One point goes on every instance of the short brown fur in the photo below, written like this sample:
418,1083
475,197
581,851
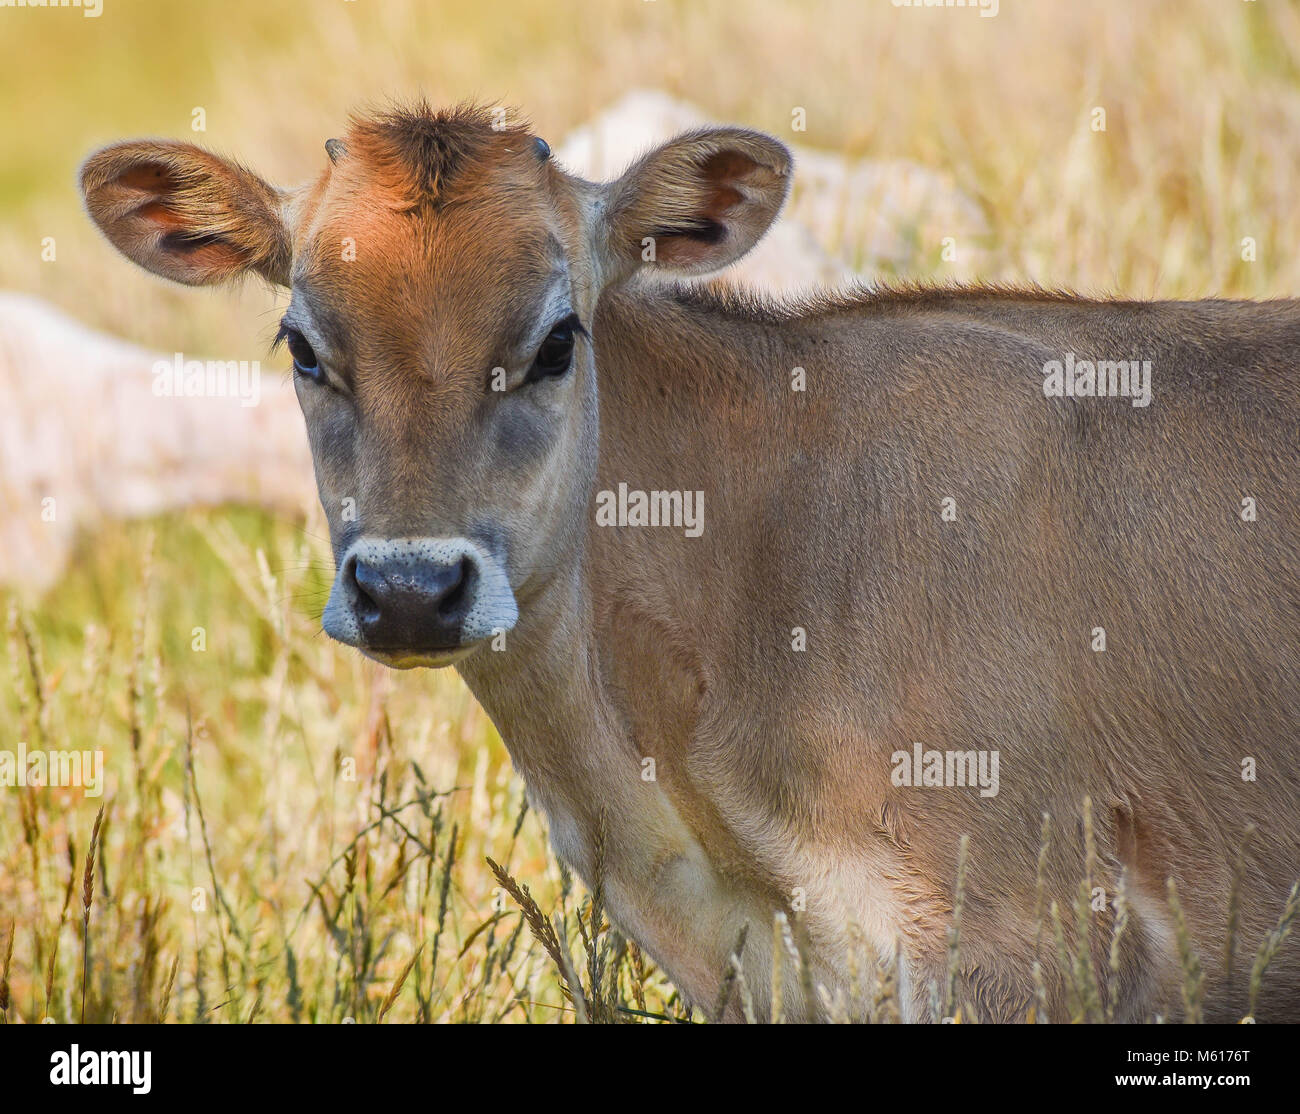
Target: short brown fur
771,787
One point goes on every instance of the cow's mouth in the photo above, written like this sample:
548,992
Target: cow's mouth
415,658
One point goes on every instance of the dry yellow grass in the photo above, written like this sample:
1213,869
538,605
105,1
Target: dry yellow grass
292,834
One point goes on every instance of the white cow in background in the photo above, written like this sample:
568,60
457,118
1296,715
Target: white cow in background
84,437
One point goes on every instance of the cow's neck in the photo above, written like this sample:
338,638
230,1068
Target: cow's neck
541,692
569,741
559,693
548,693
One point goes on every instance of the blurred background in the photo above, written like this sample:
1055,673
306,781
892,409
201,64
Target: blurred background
290,833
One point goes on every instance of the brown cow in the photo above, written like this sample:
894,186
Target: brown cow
773,602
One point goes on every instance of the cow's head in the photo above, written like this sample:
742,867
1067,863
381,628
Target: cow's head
444,274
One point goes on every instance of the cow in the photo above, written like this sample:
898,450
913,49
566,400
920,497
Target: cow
774,601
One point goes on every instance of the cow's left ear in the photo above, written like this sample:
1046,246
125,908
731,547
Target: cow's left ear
695,204
185,213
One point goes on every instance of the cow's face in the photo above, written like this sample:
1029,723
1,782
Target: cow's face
443,278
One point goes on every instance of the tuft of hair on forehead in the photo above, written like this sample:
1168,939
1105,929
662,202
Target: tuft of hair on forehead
419,151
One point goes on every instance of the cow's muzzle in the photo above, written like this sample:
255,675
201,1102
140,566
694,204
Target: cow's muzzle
418,601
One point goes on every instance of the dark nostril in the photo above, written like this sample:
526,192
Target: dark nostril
369,584
457,590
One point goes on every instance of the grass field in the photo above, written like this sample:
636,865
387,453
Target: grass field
290,833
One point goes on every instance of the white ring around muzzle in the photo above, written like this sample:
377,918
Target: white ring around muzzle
492,611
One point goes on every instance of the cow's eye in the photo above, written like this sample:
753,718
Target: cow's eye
556,351
304,357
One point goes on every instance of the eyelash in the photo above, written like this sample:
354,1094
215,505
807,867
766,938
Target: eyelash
538,371
287,335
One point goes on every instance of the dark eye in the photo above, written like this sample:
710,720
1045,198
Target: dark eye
304,359
556,353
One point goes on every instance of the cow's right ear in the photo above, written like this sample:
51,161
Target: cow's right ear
697,203
186,214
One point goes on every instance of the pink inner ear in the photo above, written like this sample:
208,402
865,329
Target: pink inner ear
196,253
720,172
199,251
149,177
214,257
158,213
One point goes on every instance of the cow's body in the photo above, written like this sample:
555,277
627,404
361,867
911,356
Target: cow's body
916,552
823,512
